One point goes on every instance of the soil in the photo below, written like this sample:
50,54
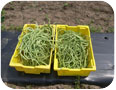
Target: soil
97,14
57,86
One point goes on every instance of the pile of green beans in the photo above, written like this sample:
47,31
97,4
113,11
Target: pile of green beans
36,45
72,50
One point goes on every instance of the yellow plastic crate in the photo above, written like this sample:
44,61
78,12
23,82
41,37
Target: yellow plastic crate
84,30
15,61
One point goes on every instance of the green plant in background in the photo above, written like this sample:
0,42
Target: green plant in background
77,21
65,5
97,9
11,7
110,29
3,27
47,18
35,4
19,28
40,9
32,20
11,2
29,87
77,83
11,27
94,29
2,16
106,23
92,21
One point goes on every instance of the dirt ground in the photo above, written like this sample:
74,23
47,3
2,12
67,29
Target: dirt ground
57,86
98,15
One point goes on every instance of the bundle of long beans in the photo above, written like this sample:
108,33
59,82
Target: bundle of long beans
36,45
72,50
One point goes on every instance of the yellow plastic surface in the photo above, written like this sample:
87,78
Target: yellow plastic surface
84,30
15,61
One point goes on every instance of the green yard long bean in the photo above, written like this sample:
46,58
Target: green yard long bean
72,50
36,45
